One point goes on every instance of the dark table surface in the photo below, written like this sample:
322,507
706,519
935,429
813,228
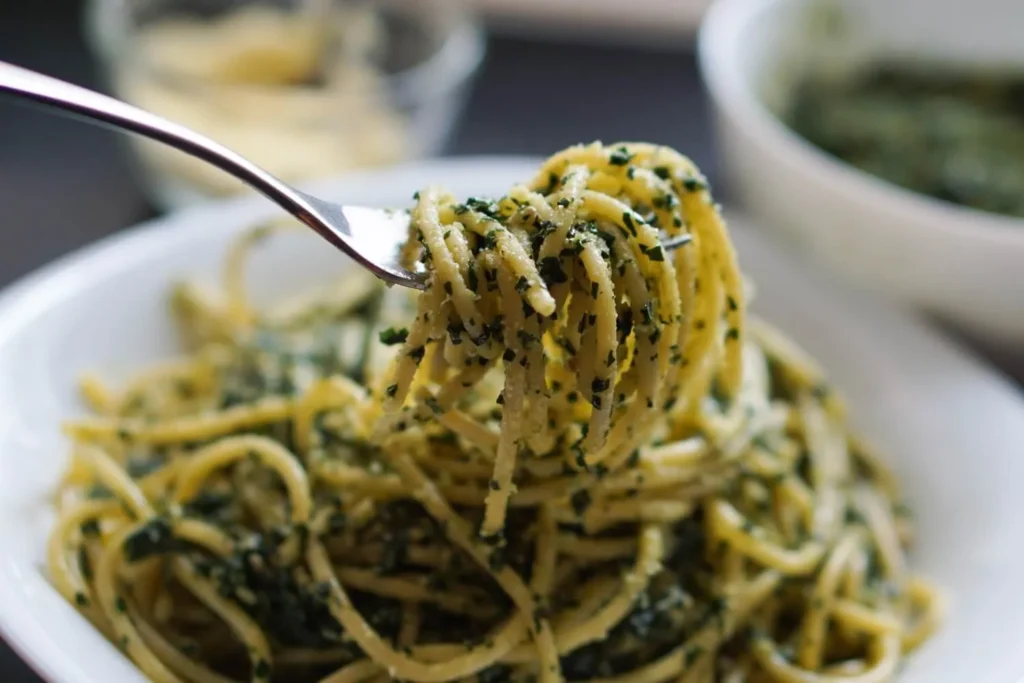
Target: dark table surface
63,184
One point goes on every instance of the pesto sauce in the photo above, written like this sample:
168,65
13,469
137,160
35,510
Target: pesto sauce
954,136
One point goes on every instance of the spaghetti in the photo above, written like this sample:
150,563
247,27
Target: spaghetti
582,461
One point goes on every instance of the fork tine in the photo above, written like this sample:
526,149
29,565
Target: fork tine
672,243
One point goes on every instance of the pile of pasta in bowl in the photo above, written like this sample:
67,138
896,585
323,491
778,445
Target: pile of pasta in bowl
575,456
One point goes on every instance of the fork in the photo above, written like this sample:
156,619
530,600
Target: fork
372,237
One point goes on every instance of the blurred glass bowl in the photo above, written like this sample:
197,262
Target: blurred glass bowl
305,88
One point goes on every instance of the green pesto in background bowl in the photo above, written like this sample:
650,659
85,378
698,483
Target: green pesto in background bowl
957,136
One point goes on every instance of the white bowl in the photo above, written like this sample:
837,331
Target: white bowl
963,264
952,429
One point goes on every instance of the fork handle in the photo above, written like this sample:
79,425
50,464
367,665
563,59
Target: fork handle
108,111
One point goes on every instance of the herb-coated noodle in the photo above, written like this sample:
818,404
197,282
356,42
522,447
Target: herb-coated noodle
581,460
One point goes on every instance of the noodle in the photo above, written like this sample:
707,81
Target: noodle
582,461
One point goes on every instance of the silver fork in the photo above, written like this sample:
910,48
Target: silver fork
373,237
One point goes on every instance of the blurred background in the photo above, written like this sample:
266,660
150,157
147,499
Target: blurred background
319,87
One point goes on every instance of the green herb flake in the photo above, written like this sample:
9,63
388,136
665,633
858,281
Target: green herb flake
527,339
84,565
620,157
455,331
393,336
434,406
580,501
627,220
261,669
655,253
693,653
551,270
694,184
490,240
552,183
496,560
153,538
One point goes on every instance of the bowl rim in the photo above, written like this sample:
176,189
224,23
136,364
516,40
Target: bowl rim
456,59
717,44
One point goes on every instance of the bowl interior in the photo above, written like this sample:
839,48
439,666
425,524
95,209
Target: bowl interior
953,430
956,261
780,42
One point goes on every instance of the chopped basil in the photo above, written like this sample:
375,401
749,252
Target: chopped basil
653,253
551,270
154,538
261,669
627,220
392,336
580,501
620,157
694,184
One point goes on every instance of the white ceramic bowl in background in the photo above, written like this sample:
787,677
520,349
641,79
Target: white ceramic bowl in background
952,429
963,264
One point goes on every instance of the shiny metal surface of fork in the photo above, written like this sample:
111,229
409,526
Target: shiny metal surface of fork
373,237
